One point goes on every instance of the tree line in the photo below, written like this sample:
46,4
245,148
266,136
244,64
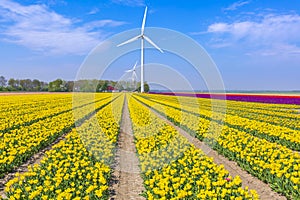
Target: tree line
22,85
60,85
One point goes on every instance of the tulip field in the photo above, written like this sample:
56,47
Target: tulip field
81,131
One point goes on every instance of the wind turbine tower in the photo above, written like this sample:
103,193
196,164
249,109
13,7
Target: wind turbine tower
143,37
133,76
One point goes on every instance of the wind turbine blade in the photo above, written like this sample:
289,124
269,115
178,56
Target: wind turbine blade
130,70
144,21
134,74
152,43
130,40
133,69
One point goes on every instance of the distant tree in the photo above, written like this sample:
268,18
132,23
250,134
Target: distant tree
90,85
3,81
113,83
36,85
56,86
146,87
26,85
98,87
59,85
104,86
121,85
69,86
44,86
63,86
86,85
14,84
11,82
22,84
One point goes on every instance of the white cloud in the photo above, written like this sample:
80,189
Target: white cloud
101,23
270,28
130,2
218,27
277,50
38,28
52,2
93,11
270,32
236,5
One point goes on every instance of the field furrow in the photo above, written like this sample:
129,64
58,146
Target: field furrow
126,180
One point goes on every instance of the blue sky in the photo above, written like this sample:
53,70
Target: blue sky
254,43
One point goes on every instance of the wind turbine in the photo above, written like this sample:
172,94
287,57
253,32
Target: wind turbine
143,37
133,76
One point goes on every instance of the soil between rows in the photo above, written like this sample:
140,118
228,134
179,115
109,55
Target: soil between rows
126,180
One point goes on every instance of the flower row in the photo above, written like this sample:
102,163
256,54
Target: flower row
78,167
18,145
269,161
258,127
172,168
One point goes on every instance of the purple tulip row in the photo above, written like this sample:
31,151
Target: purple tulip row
276,99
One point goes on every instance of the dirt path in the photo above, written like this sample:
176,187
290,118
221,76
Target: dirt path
35,159
127,182
264,191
